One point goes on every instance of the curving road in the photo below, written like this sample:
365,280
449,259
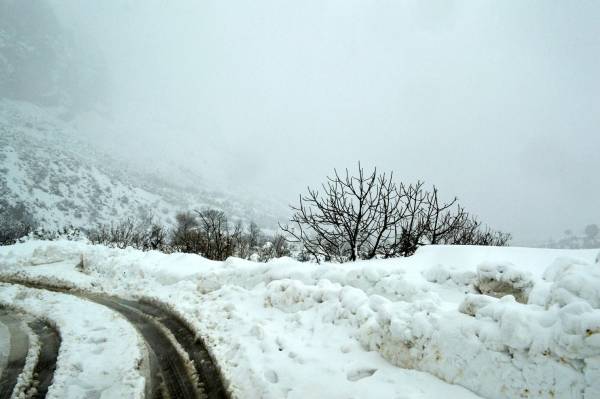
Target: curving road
19,345
169,341
43,371
18,341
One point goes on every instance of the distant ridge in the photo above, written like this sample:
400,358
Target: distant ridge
60,179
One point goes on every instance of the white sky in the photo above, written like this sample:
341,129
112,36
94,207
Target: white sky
497,102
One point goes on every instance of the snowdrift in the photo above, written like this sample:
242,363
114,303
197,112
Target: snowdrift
501,322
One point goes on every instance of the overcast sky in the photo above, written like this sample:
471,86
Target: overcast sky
495,102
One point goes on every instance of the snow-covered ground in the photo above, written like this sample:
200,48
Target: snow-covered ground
101,354
416,327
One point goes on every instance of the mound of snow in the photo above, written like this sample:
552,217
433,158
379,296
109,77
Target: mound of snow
502,322
573,280
501,280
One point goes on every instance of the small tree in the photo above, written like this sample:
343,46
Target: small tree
157,238
368,215
410,224
591,231
441,218
274,247
143,235
185,236
253,238
214,231
280,246
352,219
15,223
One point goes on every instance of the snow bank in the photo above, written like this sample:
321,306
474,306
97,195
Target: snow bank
502,322
100,353
499,280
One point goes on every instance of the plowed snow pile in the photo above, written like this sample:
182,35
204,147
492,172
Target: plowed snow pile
501,322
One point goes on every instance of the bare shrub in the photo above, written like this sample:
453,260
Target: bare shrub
216,241
209,233
130,233
368,215
185,236
353,217
15,223
274,247
68,233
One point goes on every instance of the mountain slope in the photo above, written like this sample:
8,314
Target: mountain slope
59,179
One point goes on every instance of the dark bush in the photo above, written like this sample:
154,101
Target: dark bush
130,233
15,222
364,216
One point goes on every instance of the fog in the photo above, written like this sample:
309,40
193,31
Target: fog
494,102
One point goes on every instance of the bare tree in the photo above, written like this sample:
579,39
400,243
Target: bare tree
10,233
440,219
274,247
368,215
15,222
590,240
253,237
591,231
280,246
410,226
143,235
235,240
209,233
185,236
351,219
214,229
470,231
157,238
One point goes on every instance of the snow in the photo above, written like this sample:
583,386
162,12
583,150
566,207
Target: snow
33,353
4,346
63,178
100,352
416,327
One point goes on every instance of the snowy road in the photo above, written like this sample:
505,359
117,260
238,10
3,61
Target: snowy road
13,364
46,363
180,366
32,346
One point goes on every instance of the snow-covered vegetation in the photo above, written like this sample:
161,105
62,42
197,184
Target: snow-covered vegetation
589,237
51,178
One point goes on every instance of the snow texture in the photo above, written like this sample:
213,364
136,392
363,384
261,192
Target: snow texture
48,167
500,322
100,353
20,391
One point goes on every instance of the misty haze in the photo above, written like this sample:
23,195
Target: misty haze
279,199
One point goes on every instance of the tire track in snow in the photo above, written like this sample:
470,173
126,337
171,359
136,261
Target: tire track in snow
205,368
175,379
172,376
43,371
17,356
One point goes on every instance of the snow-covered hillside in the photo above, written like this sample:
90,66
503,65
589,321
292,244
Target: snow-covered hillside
501,322
47,166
